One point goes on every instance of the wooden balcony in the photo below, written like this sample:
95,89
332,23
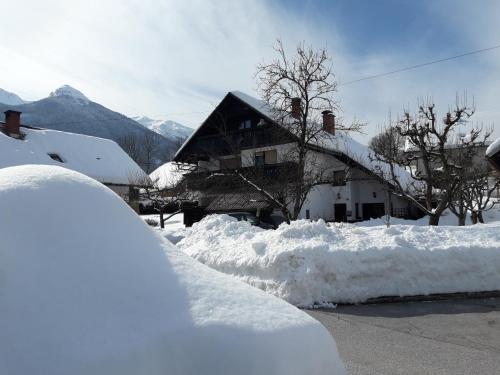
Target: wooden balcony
266,175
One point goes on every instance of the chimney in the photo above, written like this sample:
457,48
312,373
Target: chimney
12,123
296,108
328,122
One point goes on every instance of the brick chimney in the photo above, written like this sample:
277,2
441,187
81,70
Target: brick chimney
328,122
13,123
296,108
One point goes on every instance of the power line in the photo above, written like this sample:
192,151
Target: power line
420,65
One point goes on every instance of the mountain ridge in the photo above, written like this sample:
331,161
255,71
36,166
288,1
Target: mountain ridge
67,109
9,98
167,128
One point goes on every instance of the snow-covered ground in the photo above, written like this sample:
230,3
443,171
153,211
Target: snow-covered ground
447,219
174,230
310,263
86,287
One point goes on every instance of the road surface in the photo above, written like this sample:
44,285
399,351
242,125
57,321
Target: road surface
441,337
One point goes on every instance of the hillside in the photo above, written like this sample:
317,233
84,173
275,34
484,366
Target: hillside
10,98
67,109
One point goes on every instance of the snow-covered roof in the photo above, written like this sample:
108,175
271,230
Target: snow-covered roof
99,158
493,148
168,175
338,143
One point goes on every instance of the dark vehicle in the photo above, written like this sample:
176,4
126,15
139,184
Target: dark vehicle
251,218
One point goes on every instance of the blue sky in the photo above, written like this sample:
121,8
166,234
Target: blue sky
175,59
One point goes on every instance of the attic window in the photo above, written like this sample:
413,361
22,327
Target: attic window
246,124
56,157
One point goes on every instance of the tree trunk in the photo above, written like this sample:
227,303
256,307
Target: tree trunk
480,217
434,219
474,217
162,219
461,219
297,204
286,214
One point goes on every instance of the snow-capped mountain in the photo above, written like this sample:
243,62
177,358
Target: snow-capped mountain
69,92
10,98
68,109
169,129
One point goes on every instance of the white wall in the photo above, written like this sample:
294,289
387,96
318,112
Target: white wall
319,203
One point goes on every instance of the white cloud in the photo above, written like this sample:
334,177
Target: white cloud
175,59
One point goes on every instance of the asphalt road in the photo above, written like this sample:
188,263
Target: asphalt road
442,337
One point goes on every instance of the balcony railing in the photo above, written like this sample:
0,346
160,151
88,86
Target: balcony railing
266,175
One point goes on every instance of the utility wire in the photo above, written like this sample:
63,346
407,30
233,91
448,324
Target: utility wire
420,65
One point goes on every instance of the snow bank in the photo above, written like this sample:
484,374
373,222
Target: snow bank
87,288
312,262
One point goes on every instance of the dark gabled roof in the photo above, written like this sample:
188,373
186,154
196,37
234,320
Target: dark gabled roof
341,146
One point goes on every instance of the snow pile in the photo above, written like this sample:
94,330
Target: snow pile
311,262
87,288
98,158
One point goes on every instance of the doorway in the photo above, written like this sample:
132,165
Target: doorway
373,210
340,211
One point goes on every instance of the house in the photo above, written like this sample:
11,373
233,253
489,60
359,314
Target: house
493,154
99,158
241,135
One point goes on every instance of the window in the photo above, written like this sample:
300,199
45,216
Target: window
55,157
259,159
246,124
338,178
270,157
265,158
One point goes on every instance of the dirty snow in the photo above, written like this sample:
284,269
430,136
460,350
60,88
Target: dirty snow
88,288
310,263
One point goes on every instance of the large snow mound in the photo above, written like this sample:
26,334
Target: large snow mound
311,262
87,288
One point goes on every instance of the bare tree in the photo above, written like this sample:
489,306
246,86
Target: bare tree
304,82
165,192
436,177
143,149
477,192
